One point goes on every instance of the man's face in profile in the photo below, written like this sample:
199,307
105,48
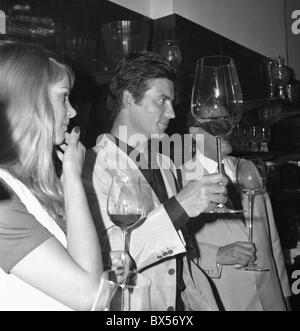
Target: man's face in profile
151,115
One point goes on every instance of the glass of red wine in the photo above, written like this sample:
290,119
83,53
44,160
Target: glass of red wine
217,102
126,206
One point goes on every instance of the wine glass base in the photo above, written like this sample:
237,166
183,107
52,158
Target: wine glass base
221,209
252,267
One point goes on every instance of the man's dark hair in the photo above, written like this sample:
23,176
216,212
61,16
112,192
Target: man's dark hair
133,73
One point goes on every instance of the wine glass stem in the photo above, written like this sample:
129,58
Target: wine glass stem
125,246
251,202
219,154
125,250
219,162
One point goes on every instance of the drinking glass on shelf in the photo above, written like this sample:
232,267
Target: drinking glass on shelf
217,102
254,138
170,49
244,139
250,176
123,292
281,75
265,137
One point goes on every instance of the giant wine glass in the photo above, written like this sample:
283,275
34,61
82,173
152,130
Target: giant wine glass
250,176
217,102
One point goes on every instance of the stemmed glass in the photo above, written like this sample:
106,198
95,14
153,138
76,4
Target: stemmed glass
250,176
217,102
127,206
122,292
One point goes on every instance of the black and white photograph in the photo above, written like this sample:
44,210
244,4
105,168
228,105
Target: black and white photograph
150,158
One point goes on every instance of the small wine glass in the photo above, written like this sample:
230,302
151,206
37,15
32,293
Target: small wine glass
250,176
217,102
123,292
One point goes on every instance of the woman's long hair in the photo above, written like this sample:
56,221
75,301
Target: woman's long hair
27,73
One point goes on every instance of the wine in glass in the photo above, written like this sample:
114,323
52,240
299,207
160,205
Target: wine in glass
250,176
217,102
123,292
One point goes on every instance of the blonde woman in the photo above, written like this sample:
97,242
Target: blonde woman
49,252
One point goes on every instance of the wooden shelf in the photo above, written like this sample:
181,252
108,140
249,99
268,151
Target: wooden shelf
265,102
284,158
276,156
278,109
266,156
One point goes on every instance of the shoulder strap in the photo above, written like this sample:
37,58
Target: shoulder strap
33,206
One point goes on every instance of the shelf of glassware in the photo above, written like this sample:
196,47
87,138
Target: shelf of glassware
278,157
273,109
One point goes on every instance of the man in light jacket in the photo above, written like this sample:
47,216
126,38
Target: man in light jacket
140,99
223,242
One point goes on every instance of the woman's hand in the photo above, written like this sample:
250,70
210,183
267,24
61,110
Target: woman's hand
73,154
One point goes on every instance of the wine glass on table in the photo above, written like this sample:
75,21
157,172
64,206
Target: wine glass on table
217,102
250,176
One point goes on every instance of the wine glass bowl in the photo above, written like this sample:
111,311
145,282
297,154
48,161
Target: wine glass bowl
217,99
217,102
250,177
125,203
